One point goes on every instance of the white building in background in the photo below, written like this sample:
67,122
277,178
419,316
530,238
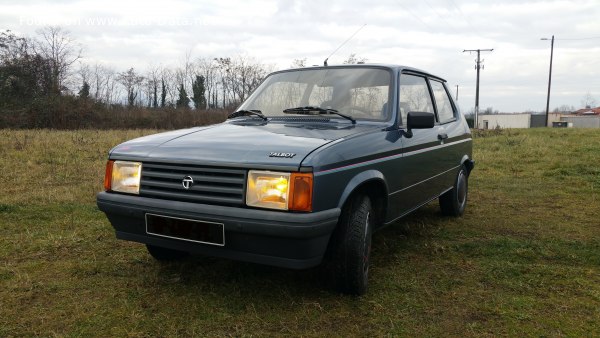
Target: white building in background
589,118
583,118
504,121
591,121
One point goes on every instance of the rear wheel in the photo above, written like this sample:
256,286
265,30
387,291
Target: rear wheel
454,201
351,247
164,254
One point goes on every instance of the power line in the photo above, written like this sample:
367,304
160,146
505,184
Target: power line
458,8
590,38
413,14
475,31
440,16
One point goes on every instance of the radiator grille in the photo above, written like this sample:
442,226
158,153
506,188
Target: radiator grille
220,186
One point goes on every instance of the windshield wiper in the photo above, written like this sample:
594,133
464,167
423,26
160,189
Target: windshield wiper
251,112
308,110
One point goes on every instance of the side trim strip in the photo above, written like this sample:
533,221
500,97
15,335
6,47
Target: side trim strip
432,177
380,159
445,144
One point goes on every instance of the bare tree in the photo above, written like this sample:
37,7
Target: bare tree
353,59
92,74
103,82
224,69
181,78
588,101
57,46
189,74
153,81
207,67
84,71
490,111
246,74
110,80
564,109
130,80
298,63
169,81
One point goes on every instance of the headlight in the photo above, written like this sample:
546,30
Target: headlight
278,190
123,176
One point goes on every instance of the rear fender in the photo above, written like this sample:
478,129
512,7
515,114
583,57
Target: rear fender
468,163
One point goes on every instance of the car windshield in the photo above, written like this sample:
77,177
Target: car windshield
361,93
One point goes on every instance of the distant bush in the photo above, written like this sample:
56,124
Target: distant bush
69,112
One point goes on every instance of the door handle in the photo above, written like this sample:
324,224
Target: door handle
442,136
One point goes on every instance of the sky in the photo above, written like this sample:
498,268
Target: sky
428,34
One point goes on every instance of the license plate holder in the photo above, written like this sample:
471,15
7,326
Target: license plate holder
185,229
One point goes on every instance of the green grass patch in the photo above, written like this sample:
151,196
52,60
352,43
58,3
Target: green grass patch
523,261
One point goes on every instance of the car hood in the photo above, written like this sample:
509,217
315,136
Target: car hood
238,144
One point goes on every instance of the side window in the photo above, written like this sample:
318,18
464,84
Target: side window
442,101
414,96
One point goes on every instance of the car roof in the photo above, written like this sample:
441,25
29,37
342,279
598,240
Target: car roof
393,67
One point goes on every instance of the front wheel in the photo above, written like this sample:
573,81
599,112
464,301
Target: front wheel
351,246
454,201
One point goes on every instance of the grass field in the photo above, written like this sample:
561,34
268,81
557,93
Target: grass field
523,261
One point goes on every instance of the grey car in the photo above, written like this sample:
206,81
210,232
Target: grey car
302,174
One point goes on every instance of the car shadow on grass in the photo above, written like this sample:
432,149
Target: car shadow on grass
221,276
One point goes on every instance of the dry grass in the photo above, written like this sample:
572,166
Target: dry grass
523,261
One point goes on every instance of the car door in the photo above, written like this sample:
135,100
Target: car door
450,134
418,167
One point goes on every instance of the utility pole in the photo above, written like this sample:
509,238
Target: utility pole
549,77
478,67
456,92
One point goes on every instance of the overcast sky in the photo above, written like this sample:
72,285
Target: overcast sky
427,34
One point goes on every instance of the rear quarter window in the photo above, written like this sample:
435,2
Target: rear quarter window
444,106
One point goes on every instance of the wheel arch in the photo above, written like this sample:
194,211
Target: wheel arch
468,163
373,184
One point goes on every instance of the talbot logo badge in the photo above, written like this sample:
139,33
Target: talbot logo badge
284,155
187,182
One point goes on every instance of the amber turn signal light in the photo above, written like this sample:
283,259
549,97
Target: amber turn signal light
301,186
108,175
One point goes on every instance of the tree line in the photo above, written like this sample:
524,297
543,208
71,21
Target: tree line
203,83
45,82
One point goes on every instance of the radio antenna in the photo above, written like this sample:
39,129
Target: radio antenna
343,43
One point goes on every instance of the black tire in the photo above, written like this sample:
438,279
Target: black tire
164,254
454,201
350,247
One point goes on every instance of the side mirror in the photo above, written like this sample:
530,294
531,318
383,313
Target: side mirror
419,120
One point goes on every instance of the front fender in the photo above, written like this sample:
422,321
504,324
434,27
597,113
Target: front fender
359,179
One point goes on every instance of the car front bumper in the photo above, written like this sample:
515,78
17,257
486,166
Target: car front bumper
285,239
